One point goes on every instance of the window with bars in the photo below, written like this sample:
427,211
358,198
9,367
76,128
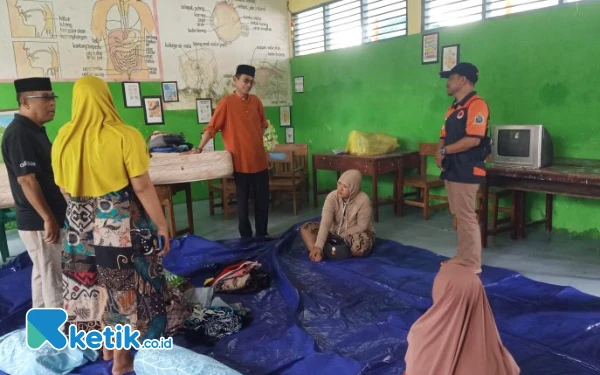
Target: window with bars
309,32
440,13
496,8
347,23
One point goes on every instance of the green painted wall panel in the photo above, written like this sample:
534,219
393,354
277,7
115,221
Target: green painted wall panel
539,67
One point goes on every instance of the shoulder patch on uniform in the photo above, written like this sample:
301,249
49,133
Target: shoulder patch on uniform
479,119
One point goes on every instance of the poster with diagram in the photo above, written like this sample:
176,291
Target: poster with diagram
116,40
206,40
197,44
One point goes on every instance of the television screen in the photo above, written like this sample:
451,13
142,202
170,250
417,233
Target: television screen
514,143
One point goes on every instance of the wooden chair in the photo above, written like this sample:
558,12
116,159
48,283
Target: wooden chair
286,178
223,188
300,151
424,182
494,195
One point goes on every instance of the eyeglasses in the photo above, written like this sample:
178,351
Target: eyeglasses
45,97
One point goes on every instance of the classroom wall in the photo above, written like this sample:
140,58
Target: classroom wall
539,67
175,121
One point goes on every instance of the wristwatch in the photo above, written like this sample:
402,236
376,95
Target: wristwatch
443,151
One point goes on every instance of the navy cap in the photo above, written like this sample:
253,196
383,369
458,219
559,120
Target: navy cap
465,69
33,84
248,70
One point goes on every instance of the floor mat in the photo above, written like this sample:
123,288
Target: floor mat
352,316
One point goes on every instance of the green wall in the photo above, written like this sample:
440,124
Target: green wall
539,67
175,121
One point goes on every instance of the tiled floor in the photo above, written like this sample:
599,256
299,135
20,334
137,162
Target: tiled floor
547,257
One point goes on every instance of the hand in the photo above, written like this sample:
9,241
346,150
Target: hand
438,160
51,232
316,254
166,244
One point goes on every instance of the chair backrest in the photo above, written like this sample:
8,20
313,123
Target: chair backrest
300,151
282,162
425,150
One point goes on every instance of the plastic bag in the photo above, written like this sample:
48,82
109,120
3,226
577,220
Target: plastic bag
368,143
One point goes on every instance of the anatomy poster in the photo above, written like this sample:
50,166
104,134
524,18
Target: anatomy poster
196,43
116,40
206,40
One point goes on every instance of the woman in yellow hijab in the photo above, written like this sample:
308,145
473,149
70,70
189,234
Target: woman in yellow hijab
111,264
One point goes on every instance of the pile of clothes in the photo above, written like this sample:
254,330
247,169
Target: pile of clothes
168,142
201,315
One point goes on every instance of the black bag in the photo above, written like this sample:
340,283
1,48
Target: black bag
144,241
336,248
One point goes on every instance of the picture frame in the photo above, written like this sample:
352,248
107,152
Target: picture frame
285,116
430,48
289,135
450,57
170,92
203,110
299,84
153,110
132,94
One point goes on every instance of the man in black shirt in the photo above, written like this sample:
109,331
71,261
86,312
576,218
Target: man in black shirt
40,205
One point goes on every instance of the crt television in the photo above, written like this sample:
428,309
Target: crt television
526,146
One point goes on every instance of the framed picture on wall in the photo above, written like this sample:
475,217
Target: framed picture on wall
450,57
285,116
289,135
204,110
132,95
170,92
430,48
299,84
153,110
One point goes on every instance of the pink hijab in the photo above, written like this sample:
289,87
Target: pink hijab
458,334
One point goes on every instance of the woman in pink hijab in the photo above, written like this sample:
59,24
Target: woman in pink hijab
458,334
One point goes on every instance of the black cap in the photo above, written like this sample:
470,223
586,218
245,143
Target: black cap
33,84
465,69
245,69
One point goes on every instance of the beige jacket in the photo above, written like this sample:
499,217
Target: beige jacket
346,217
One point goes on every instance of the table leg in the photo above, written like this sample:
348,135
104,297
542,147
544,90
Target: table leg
315,187
549,199
522,216
395,193
401,189
375,198
190,211
514,212
484,215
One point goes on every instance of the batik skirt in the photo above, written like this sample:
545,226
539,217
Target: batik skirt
106,279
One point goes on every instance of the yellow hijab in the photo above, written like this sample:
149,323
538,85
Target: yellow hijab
96,153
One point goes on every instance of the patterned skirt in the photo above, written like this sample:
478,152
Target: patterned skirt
107,280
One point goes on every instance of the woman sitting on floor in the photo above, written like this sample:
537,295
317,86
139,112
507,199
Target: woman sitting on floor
458,334
347,213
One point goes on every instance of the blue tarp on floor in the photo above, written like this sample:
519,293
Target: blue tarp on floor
353,316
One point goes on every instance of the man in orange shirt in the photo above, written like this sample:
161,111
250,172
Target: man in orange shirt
240,117
462,149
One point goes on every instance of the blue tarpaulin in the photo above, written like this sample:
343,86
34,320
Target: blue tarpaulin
353,316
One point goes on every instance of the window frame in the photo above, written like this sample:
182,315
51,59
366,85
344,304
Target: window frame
484,16
362,22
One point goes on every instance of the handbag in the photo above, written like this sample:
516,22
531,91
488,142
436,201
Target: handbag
336,248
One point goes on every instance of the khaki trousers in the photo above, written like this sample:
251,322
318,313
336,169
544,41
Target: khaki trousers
46,276
461,198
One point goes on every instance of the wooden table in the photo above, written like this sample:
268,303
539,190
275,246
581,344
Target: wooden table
570,177
165,196
370,165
